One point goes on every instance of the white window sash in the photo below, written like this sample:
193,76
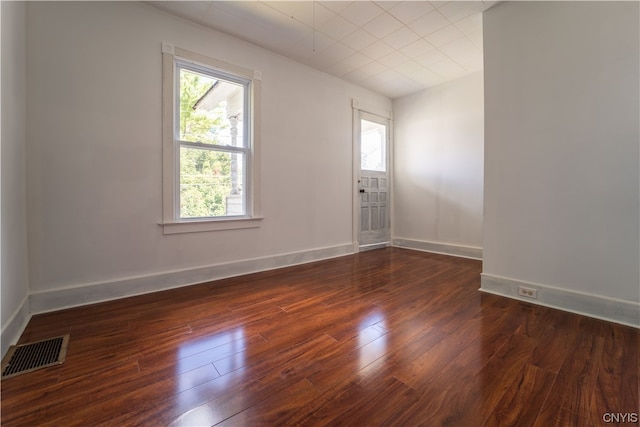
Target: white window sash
173,59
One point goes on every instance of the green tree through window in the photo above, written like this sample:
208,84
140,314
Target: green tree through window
205,174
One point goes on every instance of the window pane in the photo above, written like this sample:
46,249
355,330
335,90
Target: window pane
373,146
210,109
211,183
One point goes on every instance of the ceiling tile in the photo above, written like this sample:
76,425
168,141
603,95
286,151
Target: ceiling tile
377,50
394,59
470,24
301,11
355,61
408,67
387,4
447,68
296,30
429,23
335,6
359,39
374,68
408,11
438,3
330,56
310,44
476,38
337,27
320,15
431,58
319,41
456,10
464,52
358,75
479,6
301,51
400,38
473,63
392,47
382,25
426,77
417,48
361,12
384,77
340,69
444,36
310,13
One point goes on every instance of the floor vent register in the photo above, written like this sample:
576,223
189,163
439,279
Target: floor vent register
28,357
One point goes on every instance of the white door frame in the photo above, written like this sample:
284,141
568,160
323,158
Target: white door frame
355,190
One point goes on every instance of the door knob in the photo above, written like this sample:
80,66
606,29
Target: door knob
362,190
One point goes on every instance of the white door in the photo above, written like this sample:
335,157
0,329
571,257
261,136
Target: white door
373,180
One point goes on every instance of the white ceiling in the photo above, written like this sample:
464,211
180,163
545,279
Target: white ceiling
392,47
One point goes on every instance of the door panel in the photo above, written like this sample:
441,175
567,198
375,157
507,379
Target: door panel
373,180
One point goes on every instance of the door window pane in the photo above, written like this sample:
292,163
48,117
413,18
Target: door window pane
373,144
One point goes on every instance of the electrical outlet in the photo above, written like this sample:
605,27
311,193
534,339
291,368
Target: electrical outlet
527,292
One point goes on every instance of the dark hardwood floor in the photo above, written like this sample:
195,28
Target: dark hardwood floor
386,337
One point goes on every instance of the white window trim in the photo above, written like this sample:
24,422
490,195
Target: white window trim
171,222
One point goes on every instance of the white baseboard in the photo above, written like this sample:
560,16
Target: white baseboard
373,247
439,248
41,302
600,307
14,327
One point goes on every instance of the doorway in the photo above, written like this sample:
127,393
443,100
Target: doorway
373,207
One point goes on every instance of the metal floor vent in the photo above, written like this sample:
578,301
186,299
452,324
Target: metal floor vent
28,357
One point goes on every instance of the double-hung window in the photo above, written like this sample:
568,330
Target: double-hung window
210,156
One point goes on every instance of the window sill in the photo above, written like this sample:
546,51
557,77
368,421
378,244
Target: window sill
203,225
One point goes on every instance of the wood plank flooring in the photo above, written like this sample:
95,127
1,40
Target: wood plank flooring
385,337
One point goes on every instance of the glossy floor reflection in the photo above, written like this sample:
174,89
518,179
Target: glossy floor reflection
386,337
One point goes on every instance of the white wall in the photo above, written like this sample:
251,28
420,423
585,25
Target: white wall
438,175
14,285
94,155
562,154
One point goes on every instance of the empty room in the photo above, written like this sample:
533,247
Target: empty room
274,213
